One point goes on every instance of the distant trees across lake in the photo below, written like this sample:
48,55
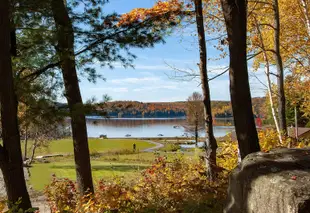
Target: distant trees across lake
135,109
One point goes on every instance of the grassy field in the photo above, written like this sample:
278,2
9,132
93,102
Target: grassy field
65,146
41,173
107,166
110,158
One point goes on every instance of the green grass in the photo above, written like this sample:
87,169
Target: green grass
112,161
170,148
41,173
65,146
127,166
145,157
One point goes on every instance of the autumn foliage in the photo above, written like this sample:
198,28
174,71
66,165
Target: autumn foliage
175,186
170,10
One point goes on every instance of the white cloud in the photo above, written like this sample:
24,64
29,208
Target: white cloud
170,87
109,89
146,67
151,67
134,80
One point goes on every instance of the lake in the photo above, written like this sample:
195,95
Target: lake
146,127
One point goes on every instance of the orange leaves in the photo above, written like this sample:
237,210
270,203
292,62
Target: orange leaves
167,186
161,8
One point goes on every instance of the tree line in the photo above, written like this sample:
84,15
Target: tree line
132,109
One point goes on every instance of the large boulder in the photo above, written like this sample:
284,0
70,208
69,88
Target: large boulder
273,182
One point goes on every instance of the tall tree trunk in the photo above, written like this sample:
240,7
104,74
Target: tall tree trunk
296,123
280,73
196,132
269,84
210,142
11,162
26,143
65,50
33,151
13,40
235,15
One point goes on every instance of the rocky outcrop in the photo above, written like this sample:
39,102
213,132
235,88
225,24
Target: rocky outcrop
273,182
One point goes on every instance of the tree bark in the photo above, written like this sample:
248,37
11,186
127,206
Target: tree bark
235,16
269,84
26,143
33,151
210,142
65,50
280,73
305,10
296,123
11,162
196,132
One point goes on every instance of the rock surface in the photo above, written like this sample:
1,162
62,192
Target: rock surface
274,182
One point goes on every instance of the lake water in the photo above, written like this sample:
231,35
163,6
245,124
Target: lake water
142,127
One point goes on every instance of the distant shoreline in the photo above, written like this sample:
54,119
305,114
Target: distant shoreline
90,117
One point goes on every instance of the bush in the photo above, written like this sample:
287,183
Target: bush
62,195
14,207
170,148
178,186
228,155
269,139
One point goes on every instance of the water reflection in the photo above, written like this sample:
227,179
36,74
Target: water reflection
139,127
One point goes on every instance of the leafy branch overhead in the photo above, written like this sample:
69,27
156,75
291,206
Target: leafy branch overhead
106,38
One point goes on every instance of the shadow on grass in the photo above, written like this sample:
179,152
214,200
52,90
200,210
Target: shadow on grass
120,168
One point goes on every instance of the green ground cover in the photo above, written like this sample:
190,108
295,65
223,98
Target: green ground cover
41,173
107,166
110,158
65,146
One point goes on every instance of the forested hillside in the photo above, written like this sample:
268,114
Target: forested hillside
129,109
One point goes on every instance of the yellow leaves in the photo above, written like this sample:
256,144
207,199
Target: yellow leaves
268,140
294,38
2,206
228,155
164,187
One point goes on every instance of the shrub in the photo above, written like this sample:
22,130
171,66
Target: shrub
62,195
14,207
170,148
228,155
178,186
268,140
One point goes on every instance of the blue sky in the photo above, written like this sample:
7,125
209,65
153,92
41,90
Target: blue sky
152,79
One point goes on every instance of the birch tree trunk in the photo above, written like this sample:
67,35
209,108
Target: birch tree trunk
280,72
269,84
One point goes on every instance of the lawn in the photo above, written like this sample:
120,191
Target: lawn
108,166
100,170
112,161
65,146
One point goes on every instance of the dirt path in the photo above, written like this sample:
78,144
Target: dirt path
152,149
